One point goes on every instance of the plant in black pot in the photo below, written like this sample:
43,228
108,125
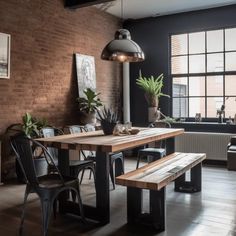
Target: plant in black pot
108,119
88,105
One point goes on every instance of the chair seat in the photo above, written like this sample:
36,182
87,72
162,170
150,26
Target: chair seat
74,163
232,148
153,151
54,181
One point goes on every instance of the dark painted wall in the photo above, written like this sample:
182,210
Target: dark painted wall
152,34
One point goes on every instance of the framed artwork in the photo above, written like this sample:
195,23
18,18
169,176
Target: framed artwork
5,56
86,75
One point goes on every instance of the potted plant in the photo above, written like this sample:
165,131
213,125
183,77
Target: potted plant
29,127
108,120
88,106
152,88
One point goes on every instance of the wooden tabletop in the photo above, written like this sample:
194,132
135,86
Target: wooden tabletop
97,141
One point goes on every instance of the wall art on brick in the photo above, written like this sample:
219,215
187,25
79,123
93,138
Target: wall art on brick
86,75
4,56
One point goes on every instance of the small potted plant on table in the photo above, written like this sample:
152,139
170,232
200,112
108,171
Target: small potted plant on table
108,119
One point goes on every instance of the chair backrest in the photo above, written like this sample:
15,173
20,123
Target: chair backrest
48,132
74,129
23,148
79,129
89,128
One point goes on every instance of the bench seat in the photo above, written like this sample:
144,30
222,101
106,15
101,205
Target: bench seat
154,177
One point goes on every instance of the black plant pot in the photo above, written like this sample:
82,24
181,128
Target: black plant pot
41,168
107,127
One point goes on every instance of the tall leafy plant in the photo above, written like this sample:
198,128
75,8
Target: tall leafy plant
90,103
152,87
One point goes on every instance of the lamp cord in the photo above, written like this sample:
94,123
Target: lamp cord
122,9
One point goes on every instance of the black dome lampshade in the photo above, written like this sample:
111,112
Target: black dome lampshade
123,49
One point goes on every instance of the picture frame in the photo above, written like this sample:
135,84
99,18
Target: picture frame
86,74
5,44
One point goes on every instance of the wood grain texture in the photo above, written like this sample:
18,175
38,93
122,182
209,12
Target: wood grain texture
158,174
97,141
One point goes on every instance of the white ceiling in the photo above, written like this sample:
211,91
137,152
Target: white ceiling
136,9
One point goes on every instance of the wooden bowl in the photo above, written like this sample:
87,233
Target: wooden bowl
134,131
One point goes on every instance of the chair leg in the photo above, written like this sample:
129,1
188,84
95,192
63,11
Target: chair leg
112,174
27,191
77,192
138,160
82,176
55,208
46,205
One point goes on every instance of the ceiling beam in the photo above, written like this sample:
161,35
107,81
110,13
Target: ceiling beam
83,3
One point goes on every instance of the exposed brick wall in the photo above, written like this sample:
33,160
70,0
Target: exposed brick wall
44,37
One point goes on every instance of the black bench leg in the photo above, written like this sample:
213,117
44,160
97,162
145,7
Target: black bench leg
157,209
156,217
192,186
134,204
196,177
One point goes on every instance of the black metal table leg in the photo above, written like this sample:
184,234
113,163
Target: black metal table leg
102,187
63,165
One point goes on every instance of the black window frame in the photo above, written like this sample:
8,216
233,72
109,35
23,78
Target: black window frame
205,74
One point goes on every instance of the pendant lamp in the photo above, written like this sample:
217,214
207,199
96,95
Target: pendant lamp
122,48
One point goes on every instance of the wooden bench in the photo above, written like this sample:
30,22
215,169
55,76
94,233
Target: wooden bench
154,177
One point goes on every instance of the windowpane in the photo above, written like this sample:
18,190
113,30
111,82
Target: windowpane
230,39
179,44
214,45
200,64
230,61
213,104
197,64
180,107
179,65
215,62
215,86
230,105
180,87
196,105
197,42
230,86
196,86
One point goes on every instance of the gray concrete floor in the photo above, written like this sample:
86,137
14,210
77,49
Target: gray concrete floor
211,212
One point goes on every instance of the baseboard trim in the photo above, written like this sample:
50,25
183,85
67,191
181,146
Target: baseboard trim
222,163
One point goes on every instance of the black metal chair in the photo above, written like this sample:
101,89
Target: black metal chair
47,187
154,153
116,159
76,166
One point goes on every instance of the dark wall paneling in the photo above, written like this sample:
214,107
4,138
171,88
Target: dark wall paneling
152,34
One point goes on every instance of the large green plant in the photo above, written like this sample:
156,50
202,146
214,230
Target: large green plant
89,103
152,88
30,126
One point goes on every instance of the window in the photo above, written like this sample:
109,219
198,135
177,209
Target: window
203,71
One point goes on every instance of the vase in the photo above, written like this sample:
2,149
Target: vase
88,118
153,114
107,127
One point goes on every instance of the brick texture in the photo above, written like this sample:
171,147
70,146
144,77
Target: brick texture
44,37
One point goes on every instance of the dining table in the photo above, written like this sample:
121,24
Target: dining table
103,145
